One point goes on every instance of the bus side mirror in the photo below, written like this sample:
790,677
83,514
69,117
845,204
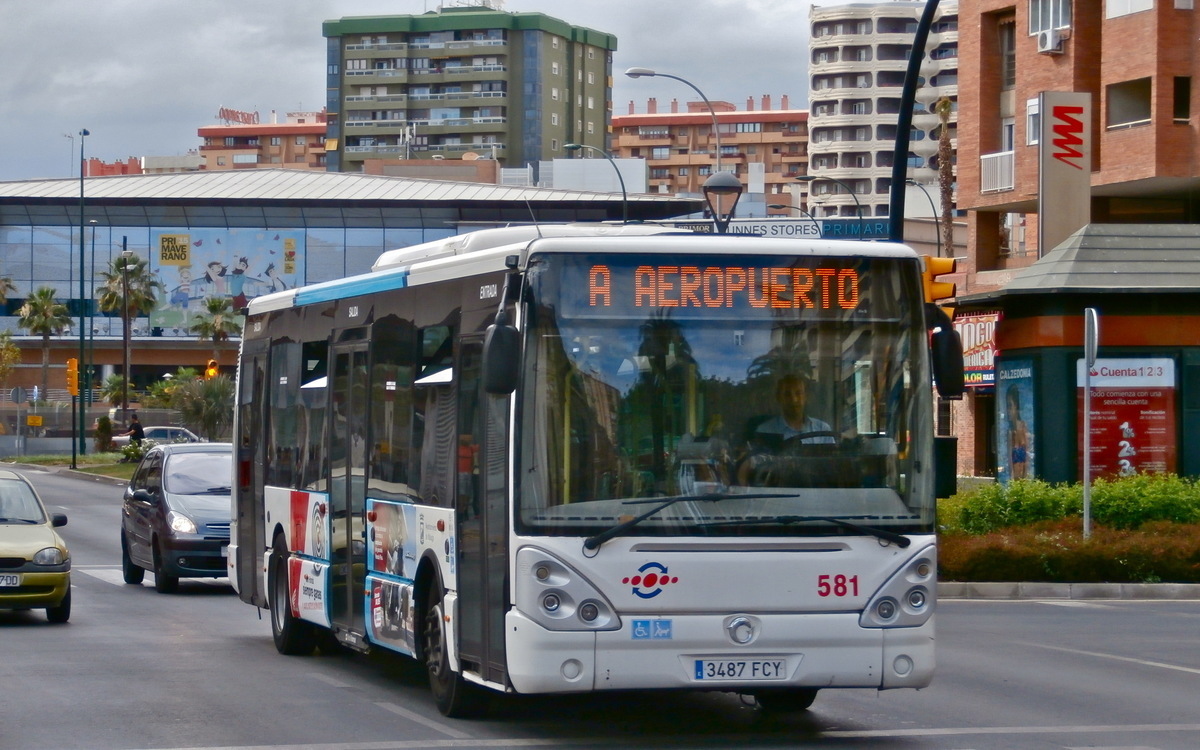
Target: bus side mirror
947,356
501,356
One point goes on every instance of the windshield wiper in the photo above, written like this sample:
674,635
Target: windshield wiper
888,536
663,502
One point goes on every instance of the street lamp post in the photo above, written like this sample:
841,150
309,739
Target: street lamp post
862,225
648,73
620,178
788,207
82,449
716,187
126,256
937,229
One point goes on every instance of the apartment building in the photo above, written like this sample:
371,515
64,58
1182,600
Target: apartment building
473,82
766,148
242,142
859,56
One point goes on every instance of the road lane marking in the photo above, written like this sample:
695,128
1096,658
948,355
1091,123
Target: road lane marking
1114,657
436,726
465,741
112,574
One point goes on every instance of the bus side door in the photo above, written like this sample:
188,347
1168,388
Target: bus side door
482,517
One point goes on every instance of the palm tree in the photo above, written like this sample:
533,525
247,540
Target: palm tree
218,322
206,405
6,286
45,315
130,290
943,107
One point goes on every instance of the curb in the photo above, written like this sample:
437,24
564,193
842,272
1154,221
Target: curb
1069,591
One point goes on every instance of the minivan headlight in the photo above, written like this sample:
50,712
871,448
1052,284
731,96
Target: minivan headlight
180,523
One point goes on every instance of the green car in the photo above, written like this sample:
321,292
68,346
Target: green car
35,566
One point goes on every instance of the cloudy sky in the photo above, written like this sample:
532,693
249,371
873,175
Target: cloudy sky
143,75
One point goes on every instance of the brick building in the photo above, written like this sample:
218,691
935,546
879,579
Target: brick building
1138,60
766,148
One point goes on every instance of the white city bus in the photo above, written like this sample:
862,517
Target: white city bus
533,458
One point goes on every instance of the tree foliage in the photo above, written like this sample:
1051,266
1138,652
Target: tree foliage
42,314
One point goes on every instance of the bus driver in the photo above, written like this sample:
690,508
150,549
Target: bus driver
792,423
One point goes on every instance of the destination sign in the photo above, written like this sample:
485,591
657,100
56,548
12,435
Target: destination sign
721,286
724,286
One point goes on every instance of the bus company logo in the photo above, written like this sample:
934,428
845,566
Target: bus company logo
650,580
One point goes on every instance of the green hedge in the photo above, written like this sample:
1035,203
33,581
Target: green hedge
1125,503
1145,529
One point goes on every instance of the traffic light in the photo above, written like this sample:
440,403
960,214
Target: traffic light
933,268
73,376
211,370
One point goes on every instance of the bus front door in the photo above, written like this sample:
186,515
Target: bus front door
347,490
482,518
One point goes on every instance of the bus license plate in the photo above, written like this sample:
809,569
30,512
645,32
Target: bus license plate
741,669
10,579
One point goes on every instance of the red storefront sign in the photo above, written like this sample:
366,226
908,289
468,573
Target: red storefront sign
1133,416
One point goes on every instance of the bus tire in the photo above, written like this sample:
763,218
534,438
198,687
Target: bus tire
786,700
292,636
454,696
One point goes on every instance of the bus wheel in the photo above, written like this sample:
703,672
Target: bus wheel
787,700
292,636
454,696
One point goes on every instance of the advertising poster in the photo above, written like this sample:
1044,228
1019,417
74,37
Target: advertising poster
237,264
978,336
1014,420
1133,416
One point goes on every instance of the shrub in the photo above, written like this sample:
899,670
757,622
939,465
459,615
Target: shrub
1125,503
103,435
1055,551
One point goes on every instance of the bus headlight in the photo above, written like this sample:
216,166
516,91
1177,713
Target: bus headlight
906,599
557,597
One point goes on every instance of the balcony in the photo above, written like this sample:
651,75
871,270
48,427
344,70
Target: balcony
996,172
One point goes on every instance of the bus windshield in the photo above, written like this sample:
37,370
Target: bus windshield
765,394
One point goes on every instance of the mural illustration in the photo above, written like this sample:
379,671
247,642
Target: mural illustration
238,264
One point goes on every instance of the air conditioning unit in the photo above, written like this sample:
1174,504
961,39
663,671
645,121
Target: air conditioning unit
1050,42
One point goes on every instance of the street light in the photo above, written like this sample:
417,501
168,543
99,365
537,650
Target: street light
648,73
126,256
717,186
937,229
620,178
82,448
788,207
862,226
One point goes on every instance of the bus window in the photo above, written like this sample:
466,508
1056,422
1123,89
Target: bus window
393,366
314,366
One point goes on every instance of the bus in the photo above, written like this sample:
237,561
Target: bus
533,459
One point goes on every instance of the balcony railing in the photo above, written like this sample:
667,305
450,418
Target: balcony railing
996,172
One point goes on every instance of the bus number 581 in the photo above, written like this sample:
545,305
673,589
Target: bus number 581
838,585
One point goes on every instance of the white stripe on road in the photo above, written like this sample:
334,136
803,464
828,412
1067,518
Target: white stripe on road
112,574
707,740
1114,657
433,724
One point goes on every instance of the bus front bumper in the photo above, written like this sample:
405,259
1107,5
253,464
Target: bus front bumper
697,652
